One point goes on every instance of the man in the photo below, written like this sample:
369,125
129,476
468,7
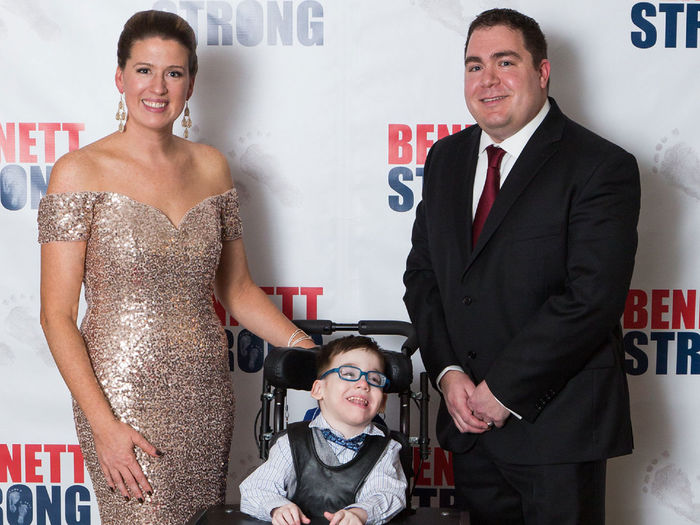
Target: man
522,254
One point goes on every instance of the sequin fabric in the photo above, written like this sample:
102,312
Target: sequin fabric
156,344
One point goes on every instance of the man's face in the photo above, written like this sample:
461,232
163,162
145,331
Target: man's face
502,88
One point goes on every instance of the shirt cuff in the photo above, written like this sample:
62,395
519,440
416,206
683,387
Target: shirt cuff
508,409
444,371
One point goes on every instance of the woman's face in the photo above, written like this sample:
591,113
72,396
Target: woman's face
155,82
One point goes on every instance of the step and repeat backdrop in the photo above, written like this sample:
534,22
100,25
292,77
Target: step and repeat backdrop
325,110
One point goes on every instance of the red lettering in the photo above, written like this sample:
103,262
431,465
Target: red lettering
7,142
422,142
50,129
658,309
288,293
311,293
421,475
73,129
55,461
26,142
683,309
269,290
400,150
635,316
78,463
31,463
442,469
10,463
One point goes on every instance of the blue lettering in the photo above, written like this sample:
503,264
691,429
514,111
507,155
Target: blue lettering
249,23
310,33
280,23
48,506
13,187
405,203
219,15
671,11
251,353
39,183
662,339
19,505
647,37
77,514
687,349
692,24
639,362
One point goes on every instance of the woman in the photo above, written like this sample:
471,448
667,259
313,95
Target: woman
149,222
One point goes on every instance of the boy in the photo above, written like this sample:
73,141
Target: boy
339,466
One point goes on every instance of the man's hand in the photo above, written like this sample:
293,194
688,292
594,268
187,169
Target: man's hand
486,407
457,388
288,514
352,516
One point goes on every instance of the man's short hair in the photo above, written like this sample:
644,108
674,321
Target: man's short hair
345,344
534,39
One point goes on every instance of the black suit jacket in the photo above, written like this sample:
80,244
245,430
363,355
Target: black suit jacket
534,309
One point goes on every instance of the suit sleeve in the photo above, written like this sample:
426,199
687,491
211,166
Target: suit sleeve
422,297
577,322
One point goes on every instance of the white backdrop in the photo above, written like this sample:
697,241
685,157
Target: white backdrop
324,109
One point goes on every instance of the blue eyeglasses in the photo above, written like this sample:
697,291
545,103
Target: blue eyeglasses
352,373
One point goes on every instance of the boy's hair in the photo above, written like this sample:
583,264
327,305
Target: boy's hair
346,344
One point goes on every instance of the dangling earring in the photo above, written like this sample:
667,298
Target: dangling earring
186,120
121,113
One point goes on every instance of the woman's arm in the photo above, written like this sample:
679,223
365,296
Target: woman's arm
245,301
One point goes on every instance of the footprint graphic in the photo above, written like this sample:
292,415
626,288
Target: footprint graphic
18,321
670,486
449,13
251,158
678,163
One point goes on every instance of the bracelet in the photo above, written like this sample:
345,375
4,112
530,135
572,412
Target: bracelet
294,334
305,337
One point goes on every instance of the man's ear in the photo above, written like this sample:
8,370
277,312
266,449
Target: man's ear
317,389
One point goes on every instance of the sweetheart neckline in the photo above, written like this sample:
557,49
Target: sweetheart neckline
150,206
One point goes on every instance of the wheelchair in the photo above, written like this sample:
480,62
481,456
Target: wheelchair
295,368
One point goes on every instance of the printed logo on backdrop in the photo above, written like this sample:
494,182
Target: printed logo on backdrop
43,484
408,146
662,332
247,349
251,22
665,24
27,153
434,479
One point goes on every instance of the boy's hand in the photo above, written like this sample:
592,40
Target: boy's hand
353,516
288,514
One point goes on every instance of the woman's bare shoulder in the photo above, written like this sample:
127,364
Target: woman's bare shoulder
212,166
81,170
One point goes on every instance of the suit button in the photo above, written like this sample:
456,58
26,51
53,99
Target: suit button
467,300
471,355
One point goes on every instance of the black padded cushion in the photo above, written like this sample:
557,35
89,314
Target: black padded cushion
295,368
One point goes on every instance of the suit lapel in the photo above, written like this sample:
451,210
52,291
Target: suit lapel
541,146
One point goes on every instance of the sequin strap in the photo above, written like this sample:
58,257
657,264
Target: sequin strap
231,226
65,216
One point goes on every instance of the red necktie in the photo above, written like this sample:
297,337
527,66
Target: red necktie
491,187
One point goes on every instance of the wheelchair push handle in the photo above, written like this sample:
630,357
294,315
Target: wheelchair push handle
327,327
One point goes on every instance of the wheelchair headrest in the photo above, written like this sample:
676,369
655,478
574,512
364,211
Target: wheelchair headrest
295,368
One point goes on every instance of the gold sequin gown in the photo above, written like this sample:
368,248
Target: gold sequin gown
155,342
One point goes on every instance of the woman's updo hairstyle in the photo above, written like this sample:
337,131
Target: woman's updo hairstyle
169,26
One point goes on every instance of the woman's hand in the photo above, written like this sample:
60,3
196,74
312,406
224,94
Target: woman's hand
115,451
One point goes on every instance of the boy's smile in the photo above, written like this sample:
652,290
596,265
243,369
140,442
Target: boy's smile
349,406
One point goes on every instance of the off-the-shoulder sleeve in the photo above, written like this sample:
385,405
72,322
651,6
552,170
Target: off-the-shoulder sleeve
65,216
231,226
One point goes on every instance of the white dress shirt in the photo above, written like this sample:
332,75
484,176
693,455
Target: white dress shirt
272,484
513,146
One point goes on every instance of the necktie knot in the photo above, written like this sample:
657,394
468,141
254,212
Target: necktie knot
495,154
353,443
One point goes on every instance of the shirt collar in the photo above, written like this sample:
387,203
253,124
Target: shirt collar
516,143
320,422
